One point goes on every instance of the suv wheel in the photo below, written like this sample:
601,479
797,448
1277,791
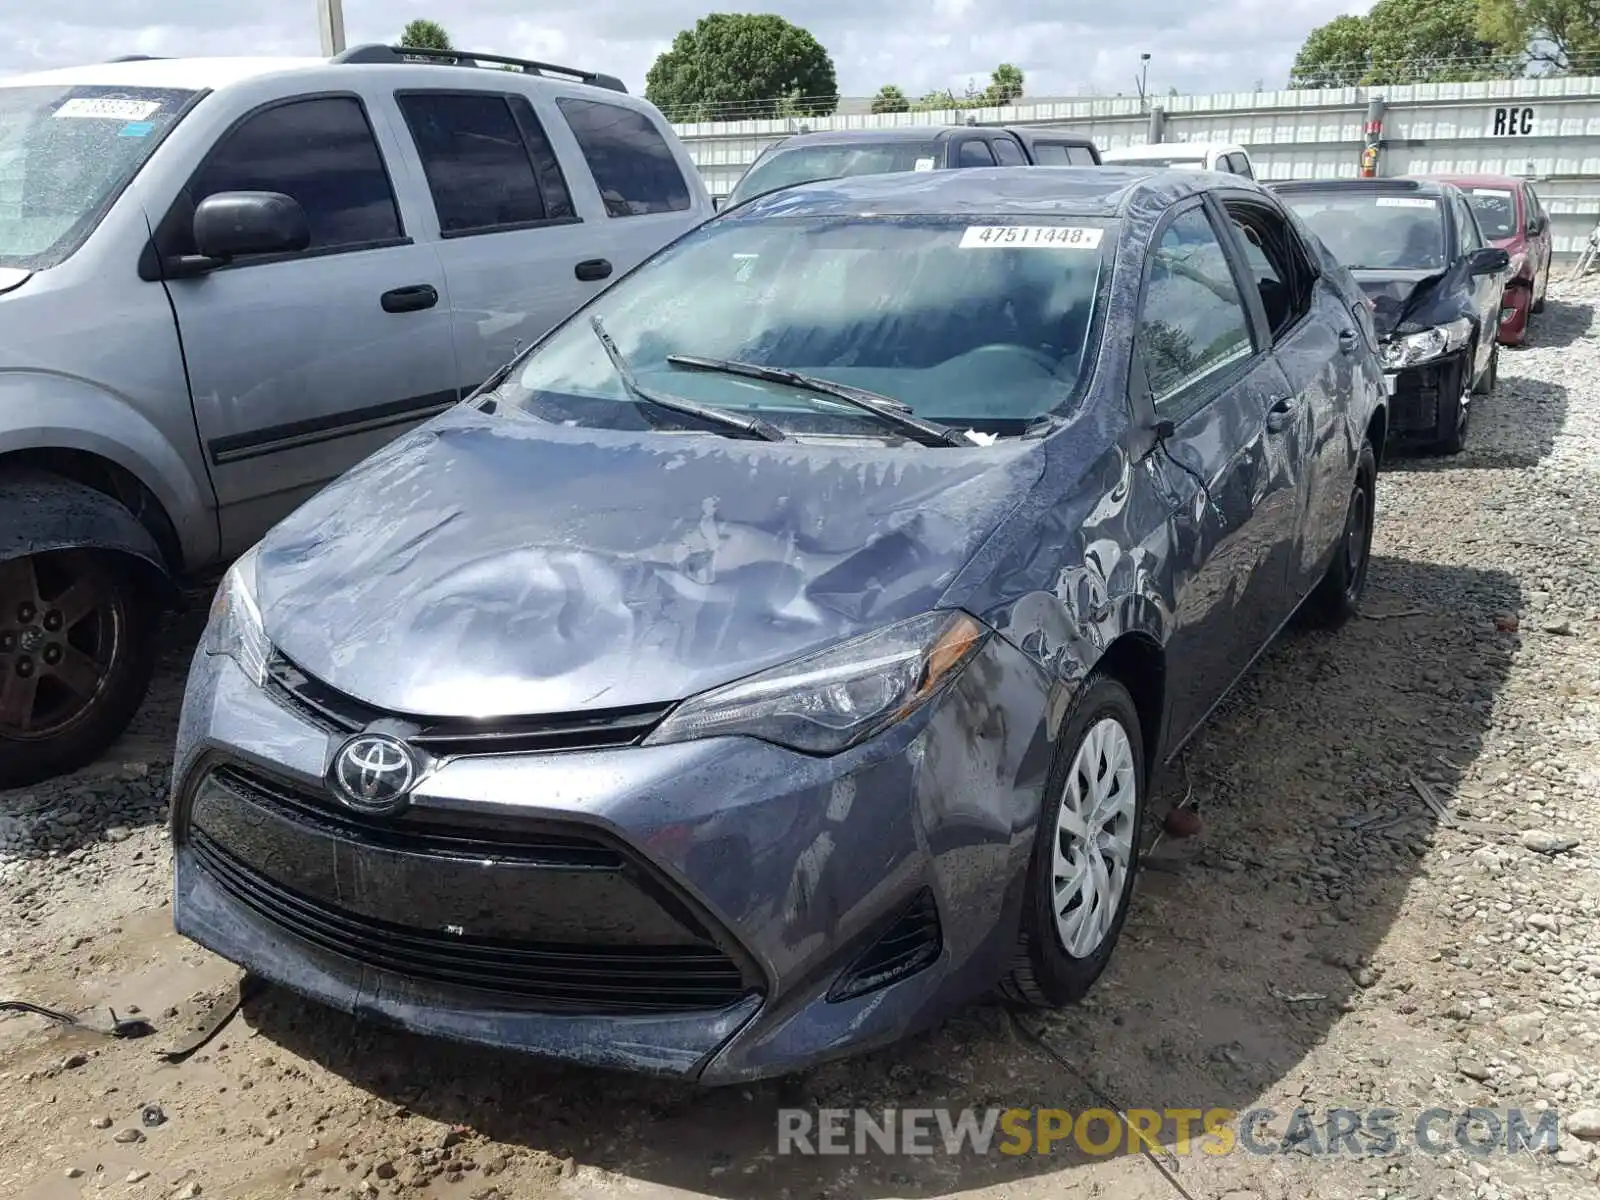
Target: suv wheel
1086,851
77,650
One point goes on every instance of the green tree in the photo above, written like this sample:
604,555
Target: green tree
425,35
890,99
738,65
1005,85
1337,54
1402,41
1560,35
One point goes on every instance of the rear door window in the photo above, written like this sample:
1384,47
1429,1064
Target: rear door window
630,160
477,165
975,152
1009,152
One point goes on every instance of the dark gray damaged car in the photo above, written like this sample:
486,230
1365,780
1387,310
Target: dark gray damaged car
774,656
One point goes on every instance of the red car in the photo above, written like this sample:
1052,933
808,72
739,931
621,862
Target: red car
1512,218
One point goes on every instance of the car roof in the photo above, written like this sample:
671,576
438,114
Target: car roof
1042,132
1509,182
1390,187
888,133
191,73
1173,150
994,191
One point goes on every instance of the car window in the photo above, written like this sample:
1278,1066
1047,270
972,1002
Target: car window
1053,154
319,152
1193,321
1009,153
632,164
783,168
1531,200
1466,224
1240,165
1277,263
975,152
473,156
1496,210
1376,230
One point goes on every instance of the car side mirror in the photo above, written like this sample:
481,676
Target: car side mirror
1488,261
1535,226
716,203
229,225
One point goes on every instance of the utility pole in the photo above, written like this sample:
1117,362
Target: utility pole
1143,80
330,24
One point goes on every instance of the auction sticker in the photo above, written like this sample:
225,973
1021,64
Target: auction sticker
923,164
109,109
1404,202
1051,237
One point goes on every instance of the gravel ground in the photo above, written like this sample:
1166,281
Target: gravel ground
1394,903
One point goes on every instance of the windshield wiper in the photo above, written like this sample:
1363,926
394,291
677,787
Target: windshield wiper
749,427
885,408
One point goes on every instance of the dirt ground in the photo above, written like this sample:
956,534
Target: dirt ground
1394,904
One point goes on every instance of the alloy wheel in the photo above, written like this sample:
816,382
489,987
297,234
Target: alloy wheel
60,630
1094,842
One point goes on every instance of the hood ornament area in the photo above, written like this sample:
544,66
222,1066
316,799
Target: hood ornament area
374,773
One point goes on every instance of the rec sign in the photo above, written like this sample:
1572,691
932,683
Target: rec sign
1513,122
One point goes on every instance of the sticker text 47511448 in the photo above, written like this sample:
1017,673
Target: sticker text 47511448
1045,237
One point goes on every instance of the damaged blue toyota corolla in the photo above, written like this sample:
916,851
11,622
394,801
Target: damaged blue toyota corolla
773,657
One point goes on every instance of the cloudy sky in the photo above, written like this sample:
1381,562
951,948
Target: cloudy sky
1220,46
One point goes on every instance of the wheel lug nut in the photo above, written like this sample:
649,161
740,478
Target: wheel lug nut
25,667
52,621
8,641
52,655
26,612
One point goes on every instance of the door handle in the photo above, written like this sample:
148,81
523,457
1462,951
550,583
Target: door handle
592,269
1347,340
1281,415
409,299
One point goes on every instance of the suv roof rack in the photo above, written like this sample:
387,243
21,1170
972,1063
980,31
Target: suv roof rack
376,52
137,58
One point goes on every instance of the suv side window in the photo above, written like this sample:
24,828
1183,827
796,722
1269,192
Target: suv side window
1008,152
1535,210
477,167
321,153
1277,262
1241,166
1192,321
975,152
631,162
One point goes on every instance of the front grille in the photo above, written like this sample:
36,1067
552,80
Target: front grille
910,943
336,713
546,977
418,831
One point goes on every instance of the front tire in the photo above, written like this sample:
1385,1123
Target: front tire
77,651
1086,851
1337,597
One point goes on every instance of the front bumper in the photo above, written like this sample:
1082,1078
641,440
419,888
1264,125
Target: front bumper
682,910
1420,396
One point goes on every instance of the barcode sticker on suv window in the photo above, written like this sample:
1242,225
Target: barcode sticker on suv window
923,164
1404,202
109,109
1050,237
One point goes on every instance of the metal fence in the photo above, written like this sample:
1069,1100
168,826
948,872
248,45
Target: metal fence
1545,129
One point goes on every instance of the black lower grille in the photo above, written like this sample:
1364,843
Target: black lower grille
910,943
548,977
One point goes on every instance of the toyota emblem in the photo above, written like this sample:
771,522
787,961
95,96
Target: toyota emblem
374,772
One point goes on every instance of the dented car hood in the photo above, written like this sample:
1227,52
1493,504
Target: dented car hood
1398,295
487,566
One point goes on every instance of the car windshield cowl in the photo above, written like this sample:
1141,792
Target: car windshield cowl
940,329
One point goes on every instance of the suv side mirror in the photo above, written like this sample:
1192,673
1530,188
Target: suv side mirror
231,224
1488,261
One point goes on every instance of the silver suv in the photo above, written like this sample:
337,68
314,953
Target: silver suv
224,281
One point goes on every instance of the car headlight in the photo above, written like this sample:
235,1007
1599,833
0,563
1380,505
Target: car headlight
235,626
831,700
1412,349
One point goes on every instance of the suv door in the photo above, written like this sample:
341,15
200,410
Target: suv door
1315,340
302,364
1203,363
516,254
